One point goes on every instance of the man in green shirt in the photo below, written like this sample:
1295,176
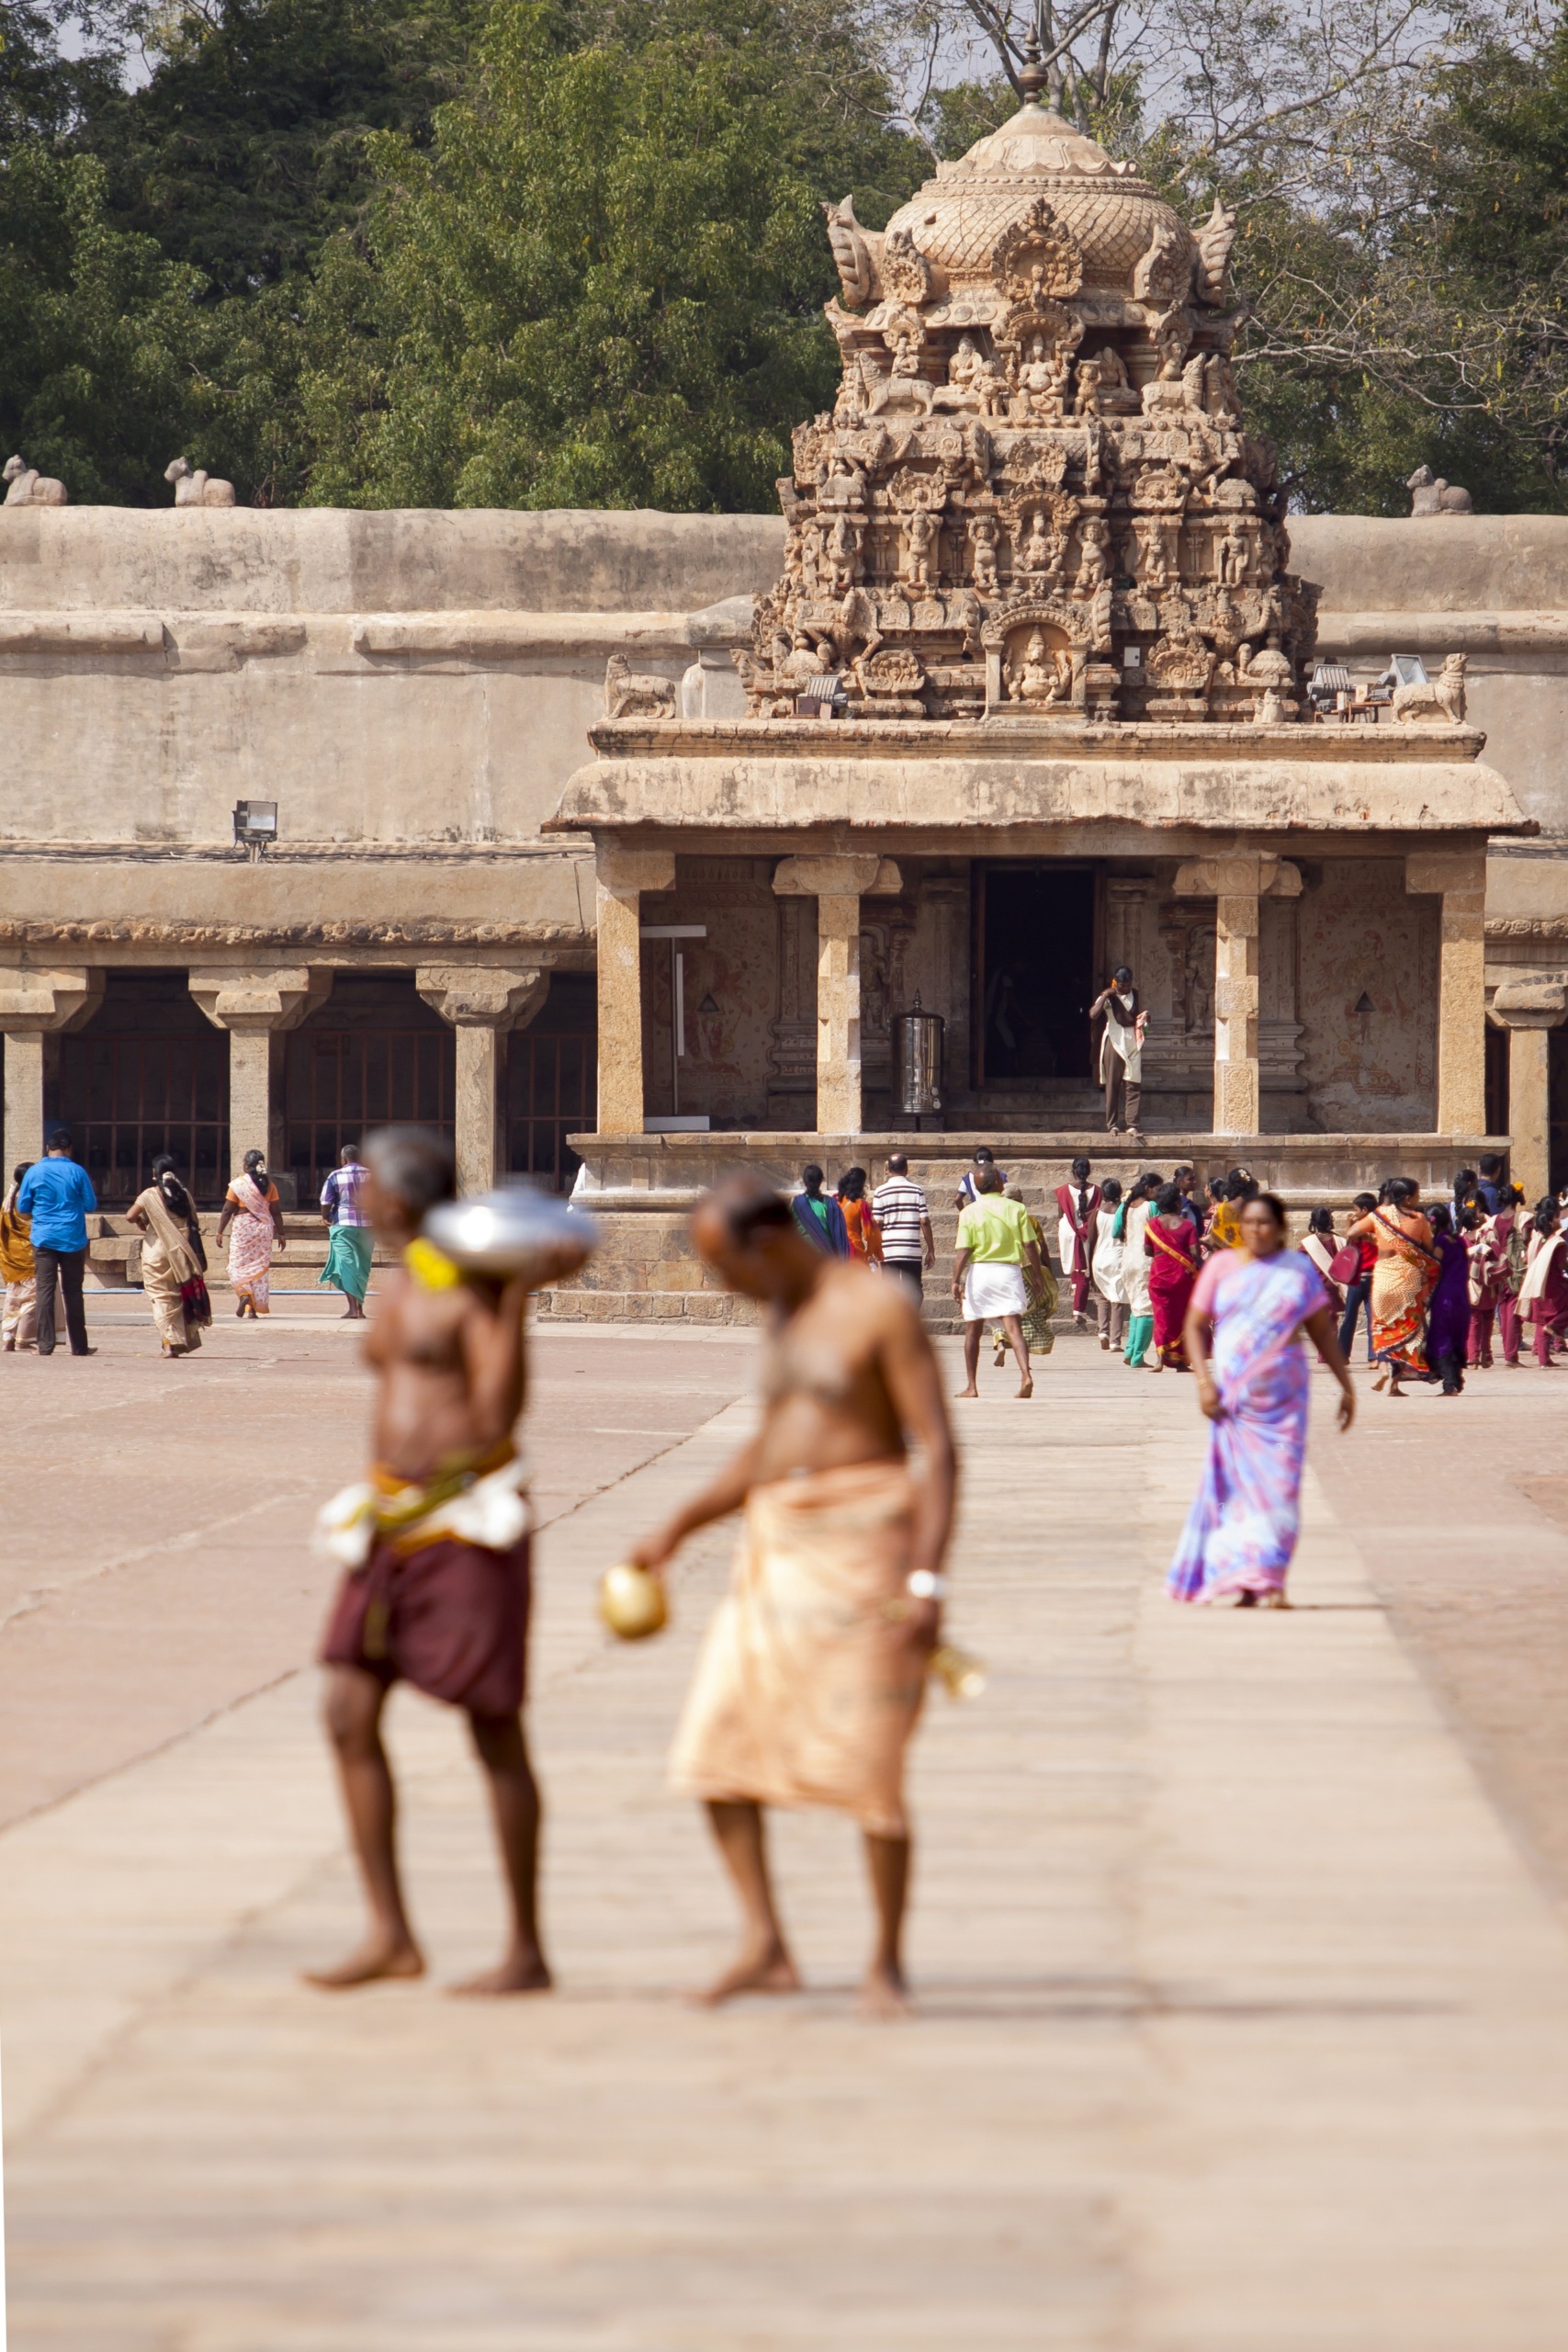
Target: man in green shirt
997,1246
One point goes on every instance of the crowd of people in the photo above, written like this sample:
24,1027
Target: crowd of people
43,1247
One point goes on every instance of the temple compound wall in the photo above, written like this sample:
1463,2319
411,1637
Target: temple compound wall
415,690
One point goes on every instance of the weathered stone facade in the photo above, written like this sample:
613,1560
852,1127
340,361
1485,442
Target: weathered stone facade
417,693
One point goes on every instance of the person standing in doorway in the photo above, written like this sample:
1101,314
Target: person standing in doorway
818,1215
1120,1053
996,1271
908,1245
251,1205
1110,1298
17,1270
352,1245
1078,1212
59,1197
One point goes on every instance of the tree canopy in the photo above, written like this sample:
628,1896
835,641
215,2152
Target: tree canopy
570,252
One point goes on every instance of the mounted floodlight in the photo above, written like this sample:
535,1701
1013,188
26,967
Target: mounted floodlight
256,825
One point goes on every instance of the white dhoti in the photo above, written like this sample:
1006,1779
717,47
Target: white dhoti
992,1291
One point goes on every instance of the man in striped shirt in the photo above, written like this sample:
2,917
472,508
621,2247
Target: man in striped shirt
899,1208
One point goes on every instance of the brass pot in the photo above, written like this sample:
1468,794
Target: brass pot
632,1601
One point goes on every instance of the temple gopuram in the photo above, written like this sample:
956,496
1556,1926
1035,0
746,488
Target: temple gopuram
1036,695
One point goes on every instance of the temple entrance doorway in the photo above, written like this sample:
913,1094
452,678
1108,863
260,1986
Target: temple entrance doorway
1035,981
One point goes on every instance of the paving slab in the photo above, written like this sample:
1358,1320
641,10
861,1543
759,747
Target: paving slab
1243,1980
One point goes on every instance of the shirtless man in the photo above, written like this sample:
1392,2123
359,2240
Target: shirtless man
436,1548
814,1668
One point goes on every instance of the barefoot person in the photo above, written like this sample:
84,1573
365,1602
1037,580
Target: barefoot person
996,1272
436,1547
812,1674
1243,1338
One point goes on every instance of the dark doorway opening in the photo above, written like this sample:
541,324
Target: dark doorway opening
147,1074
1036,931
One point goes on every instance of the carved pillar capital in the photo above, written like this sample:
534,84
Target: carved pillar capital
627,871
484,996
54,997
273,1000
1530,1004
1261,877
837,877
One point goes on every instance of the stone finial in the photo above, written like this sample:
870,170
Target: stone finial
27,487
194,488
1033,498
1430,494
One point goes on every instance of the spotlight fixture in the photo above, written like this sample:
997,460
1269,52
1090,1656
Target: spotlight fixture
256,826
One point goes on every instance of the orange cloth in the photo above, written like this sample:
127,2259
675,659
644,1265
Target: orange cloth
804,1693
866,1234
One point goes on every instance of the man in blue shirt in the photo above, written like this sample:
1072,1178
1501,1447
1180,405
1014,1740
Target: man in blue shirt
59,1196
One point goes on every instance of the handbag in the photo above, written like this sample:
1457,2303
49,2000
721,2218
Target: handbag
1345,1266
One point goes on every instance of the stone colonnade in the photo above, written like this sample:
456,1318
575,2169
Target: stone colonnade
256,1008
1528,1011
1237,884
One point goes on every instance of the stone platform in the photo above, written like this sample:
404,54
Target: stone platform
642,1190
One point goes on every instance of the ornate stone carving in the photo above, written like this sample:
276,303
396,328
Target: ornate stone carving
27,487
635,693
196,488
1430,494
1036,436
1439,703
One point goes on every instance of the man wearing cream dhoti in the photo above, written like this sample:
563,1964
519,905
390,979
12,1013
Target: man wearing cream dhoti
1121,1053
813,1670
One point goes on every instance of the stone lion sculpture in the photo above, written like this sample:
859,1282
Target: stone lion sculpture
27,487
1430,494
633,694
194,488
1439,702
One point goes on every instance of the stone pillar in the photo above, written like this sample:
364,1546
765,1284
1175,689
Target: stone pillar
1458,877
482,1003
622,876
1530,1011
33,1003
1237,884
256,1008
837,884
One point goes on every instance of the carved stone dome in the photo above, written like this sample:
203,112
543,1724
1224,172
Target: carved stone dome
1112,216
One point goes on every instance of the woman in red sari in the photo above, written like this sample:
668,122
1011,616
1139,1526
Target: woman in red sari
1171,1247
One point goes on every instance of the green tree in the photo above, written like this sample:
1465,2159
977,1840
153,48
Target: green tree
602,284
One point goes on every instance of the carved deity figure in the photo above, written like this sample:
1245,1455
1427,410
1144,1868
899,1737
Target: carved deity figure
1043,676
984,541
1086,401
843,553
905,355
1041,381
919,549
965,364
1235,556
1094,557
1035,556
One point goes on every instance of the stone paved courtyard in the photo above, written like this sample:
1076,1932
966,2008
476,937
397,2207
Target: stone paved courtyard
1239,1940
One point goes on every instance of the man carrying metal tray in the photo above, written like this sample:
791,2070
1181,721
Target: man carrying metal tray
434,1541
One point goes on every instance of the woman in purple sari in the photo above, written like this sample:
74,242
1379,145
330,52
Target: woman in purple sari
1253,1303
1447,1309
